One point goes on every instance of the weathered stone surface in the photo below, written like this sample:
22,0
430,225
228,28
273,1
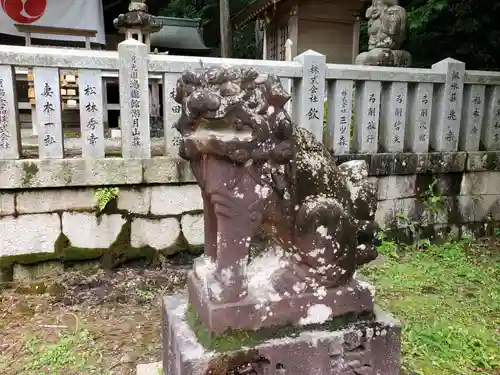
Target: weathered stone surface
392,211
478,208
135,200
483,161
162,170
85,230
371,347
158,234
18,174
7,204
392,187
193,229
264,307
37,272
267,177
480,183
154,368
29,234
175,200
40,201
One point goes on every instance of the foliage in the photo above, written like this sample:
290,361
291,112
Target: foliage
448,298
70,354
106,195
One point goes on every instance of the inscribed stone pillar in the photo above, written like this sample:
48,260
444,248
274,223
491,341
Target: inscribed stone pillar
490,136
417,132
472,117
134,99
10,137
309,92
339,118
393,116
367,116
91,113
448,108
171,113
48,110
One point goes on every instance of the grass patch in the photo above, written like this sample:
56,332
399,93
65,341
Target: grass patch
448,299
75,353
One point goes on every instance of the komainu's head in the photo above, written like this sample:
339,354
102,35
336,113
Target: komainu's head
236,114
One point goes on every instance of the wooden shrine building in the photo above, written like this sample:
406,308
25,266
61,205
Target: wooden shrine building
330,27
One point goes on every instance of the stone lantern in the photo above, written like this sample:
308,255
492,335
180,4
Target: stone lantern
137,21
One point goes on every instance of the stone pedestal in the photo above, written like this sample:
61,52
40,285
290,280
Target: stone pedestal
266,307
366,347
385,57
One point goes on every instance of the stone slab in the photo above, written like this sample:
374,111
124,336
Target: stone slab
153,368
29,234
85,230
158,234
175,200
40,201
301,309
7,204
363,348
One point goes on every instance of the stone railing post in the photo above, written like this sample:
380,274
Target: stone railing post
308,100
448,108
134,99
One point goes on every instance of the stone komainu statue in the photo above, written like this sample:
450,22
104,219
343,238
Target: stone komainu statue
258,172
387,32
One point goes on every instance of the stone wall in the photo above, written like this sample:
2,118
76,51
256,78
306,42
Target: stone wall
65,224
431,195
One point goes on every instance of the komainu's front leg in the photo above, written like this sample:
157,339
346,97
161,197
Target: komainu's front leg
238,211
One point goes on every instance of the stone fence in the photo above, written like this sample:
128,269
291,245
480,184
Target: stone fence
428,135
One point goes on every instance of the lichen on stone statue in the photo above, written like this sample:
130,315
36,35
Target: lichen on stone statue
387,32
260,173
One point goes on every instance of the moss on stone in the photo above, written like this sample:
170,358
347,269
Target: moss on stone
9,260
238,339
30,170
66,252
6,274
121,251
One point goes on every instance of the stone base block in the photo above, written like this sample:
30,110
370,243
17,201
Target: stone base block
255,312
364,348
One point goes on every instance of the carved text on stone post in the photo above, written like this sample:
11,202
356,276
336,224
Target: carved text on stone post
5,137
450,135
314,95
423,124
398,113
135,103
372,113
343,119
91,108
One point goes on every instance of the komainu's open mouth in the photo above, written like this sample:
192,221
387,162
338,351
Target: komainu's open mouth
220,130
